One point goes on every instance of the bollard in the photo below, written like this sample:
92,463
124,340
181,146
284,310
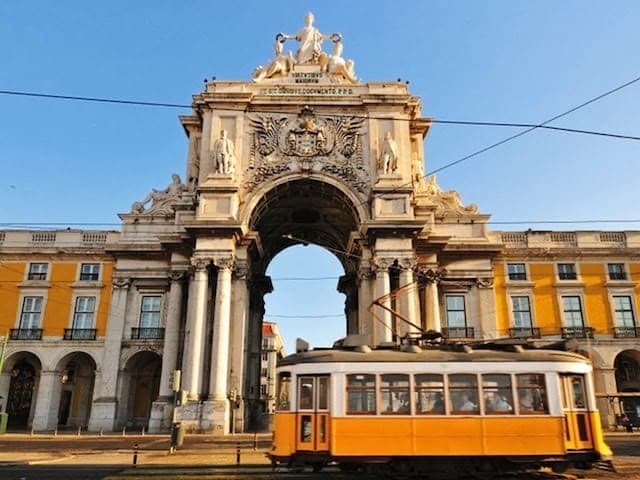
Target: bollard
143,431
55,432
124,429
101,432
33,431
237,454
255,441
79,430
135,455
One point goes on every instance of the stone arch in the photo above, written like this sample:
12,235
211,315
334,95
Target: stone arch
20,382
627,371
77,379
311,208
139,388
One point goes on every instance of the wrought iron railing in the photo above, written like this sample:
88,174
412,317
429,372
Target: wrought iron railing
626,332
25,334
458,332
79,333
147,333
524,332
577,332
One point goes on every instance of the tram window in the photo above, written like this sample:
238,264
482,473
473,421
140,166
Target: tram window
305,393
394,393
429,394
532,394
361,394
323,393
497,394
463,394
283,393
577,385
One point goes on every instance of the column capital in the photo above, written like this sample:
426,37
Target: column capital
224,263
121,282
177,275
485,282
431,275
199,263
241,269
408,263
381,263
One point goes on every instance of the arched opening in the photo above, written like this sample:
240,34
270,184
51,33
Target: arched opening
24,370
627,371
143,384
306,232
77,377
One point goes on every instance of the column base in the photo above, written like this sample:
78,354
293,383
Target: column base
161,416
215,417
103,416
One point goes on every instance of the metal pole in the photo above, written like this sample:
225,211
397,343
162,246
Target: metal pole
135,455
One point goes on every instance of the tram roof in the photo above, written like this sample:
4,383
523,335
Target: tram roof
435,355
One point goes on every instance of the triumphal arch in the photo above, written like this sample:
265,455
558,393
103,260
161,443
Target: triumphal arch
303,152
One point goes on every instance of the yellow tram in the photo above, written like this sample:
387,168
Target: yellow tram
438,408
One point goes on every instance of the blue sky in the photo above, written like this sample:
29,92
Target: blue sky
71,162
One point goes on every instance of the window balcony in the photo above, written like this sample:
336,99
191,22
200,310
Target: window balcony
147,333
25,334
577,332
458,332
79,334
524,332
626,332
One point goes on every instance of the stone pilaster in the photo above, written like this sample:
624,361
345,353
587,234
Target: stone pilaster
162,408
103,410
239,341
431,278
365,298
45,416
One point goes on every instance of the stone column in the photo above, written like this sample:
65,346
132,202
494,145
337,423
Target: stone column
216,413
162,408
409,304
431,300
365,326
347,286
239,341
382,318
45,416
103,411
194,335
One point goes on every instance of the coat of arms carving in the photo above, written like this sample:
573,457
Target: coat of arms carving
307,143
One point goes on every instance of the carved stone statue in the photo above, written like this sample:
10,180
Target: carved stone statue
449,200
310,41
280,66
336,65
224,155
388,154
161,200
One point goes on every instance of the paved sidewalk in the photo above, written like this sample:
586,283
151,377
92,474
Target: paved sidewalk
198,450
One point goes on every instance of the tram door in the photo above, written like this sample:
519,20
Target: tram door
312,422
576,415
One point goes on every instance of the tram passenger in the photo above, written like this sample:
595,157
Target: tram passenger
438,404
467,405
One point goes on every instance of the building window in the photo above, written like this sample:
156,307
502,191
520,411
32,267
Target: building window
263,390
572,307
90,272
623,311
516,271
567,271
37,271
521,312
83,314
31,313
265,356
150,311
616,271
264,371
456,316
